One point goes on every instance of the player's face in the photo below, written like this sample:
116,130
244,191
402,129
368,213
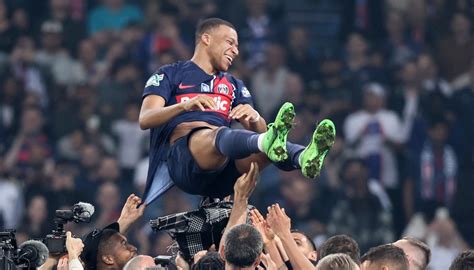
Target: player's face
223,48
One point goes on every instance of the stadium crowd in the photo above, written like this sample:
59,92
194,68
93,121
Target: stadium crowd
396,77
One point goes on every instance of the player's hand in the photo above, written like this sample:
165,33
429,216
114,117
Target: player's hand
259,222
200,103
74,246
244,112
278,220
131,211
246,183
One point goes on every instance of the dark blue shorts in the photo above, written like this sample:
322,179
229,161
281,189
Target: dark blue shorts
187,175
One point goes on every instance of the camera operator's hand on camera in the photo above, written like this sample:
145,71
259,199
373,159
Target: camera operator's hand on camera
130,212
74,246
63,264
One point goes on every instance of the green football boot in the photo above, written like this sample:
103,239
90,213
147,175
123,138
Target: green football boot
312,157
274,140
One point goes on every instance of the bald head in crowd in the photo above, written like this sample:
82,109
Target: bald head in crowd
384,257
140,262
337,261
418,253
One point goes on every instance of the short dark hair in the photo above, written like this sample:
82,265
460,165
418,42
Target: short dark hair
210,261
340,244
463,261
243,245
423,247
387,254
310,241
208,24
337,261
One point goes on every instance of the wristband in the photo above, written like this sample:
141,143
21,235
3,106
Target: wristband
256,118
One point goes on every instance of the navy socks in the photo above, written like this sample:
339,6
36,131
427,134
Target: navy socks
237,143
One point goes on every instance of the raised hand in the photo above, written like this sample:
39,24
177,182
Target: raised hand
262,226
244,112
246,183
74,246
131,211
278,220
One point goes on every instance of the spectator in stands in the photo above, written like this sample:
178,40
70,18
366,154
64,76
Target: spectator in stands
337,261
428,74
386,256
29,142
335,93
113,15
22,63
301,58
11,200
456,52
54,56
463,261
131,140
398,47
417,252
269,82
363,210
434,171
35,223
373,132
462,106
73,30
257,31
340,244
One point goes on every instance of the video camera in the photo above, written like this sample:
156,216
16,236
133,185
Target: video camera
28,255
56,241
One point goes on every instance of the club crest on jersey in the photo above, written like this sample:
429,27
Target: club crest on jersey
155,80
223,88
205,88
245,92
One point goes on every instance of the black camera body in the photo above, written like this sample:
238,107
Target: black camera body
56,241
8,250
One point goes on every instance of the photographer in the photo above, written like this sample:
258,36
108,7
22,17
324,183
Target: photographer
70,261
108,248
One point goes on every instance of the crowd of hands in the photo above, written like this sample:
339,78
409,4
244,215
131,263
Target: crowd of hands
275,229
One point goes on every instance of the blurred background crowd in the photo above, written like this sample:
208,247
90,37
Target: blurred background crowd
396,77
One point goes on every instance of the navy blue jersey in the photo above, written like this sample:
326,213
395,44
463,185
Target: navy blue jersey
180,82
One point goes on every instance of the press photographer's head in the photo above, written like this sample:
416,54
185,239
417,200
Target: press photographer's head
107,249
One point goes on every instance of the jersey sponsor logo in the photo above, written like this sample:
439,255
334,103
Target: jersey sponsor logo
245,92
223,102
205,88
184,86
223,88
155,80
